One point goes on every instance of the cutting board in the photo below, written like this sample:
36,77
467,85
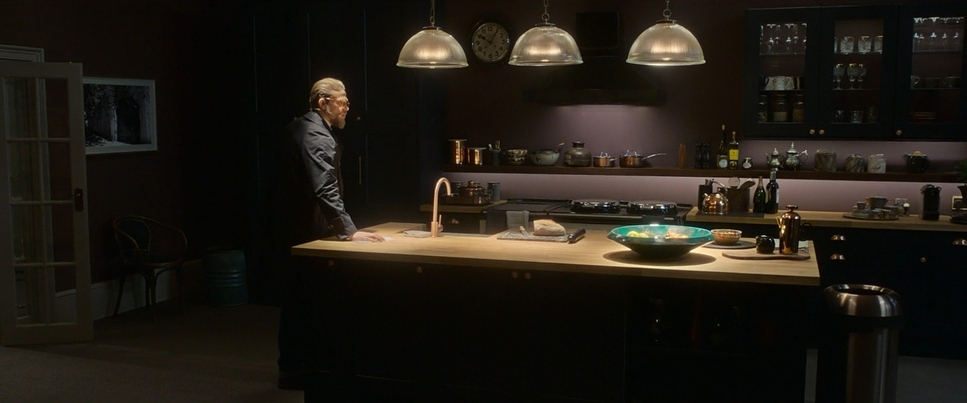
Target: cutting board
527,236
753,255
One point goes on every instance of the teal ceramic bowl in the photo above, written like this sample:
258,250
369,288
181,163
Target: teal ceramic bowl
661,242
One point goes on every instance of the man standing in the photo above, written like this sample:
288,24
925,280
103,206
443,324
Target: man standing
309,207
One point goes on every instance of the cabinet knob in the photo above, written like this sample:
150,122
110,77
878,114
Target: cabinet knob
837,256
527,276
837,238
454,221
923,259
960,242
331,262
359,118
899,132
513,274
822,132
419,269
812,131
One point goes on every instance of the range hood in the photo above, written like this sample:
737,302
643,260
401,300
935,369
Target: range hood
603,78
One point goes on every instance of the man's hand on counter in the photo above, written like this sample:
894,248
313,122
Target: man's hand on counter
366,236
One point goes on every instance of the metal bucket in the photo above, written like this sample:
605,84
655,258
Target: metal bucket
225,277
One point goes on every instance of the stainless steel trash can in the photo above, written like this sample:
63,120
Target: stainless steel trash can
857,360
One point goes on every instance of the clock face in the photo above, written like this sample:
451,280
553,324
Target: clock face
490,42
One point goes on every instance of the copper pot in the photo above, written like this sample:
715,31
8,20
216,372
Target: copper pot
632,159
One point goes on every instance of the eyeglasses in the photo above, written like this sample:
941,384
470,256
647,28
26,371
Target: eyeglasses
339,102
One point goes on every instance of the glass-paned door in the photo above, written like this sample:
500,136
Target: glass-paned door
45,279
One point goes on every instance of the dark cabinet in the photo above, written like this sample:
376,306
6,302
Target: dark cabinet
923,267
854,73
535,336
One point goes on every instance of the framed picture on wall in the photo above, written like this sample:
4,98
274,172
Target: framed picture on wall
119,115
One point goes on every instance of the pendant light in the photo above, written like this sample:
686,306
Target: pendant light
545,45
666,44
432,48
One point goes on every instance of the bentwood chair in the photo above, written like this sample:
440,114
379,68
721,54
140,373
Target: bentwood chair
148,248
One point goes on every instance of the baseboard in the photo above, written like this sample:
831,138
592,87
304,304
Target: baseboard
104,294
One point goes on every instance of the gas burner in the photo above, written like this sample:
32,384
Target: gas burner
652,208
596,206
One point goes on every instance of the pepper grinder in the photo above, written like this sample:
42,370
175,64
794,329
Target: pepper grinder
931,202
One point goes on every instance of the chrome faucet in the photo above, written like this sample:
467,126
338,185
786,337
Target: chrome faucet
435,219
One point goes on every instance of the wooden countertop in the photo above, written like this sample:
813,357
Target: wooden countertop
835,219
594,254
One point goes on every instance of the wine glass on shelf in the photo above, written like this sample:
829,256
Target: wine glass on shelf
838,71
861,73
853,72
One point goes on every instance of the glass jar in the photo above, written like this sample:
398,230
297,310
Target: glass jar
577,156
780,110
763,115
797,108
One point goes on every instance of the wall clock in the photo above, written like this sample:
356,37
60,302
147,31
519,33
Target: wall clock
490,41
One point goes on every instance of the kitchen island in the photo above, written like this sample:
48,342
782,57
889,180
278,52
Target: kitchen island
476,318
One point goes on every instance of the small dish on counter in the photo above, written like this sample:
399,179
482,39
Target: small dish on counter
726,236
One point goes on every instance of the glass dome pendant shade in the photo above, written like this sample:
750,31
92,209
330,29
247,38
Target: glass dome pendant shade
545,45
432,48
666,44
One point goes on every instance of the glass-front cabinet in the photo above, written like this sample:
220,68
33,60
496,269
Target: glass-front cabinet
842,73
931,105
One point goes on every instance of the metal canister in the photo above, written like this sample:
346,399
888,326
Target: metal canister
456,151
789,224
475,155
494,189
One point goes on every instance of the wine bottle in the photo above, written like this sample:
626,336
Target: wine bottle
722,157
759,198
733,153
772,204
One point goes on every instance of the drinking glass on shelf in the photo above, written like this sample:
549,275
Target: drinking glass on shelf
838,72
846,45
878,44
864,45
853,72
861,72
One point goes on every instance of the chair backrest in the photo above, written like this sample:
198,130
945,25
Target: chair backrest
133,237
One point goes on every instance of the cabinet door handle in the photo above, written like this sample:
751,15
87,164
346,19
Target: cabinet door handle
837,238
837,256
513,274
527,275
359,166
812,131
899,132
923,259
454,221
960,242
419,269
822,132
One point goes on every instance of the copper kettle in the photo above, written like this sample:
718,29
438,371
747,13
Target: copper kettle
789,224
715,203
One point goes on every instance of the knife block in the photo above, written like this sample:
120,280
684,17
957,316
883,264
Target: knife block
738,199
